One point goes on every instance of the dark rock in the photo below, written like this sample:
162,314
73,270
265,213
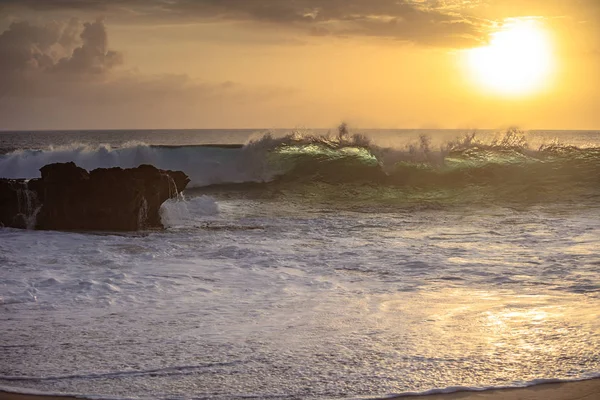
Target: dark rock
18,204
67,197
63,173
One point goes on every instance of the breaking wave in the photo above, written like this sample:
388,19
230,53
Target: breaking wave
504,161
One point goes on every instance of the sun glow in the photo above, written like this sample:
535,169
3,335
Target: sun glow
519,59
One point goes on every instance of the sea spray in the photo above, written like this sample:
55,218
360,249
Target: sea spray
181,212
143,214
28,205
174,194
341,157
204,165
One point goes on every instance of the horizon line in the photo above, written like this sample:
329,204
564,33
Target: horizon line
287,129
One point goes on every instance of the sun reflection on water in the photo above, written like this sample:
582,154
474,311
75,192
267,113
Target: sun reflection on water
514,334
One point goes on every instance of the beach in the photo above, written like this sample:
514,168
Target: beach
582,390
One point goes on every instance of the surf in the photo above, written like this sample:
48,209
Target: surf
503,161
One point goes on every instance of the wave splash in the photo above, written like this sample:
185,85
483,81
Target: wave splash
181,212
501,161
341,158
205,165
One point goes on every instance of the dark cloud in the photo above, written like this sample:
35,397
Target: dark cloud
93,55
37,61
44,5
427,22
52,48
24,46
421,23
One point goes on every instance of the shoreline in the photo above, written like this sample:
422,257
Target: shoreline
576,390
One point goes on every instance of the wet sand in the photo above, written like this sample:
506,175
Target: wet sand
584,390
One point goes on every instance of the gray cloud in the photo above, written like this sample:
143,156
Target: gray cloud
44,5
33,56
26,48
425,22
93,55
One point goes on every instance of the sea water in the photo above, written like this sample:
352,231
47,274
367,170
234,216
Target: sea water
313,265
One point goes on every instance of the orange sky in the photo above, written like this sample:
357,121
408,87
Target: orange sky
277,63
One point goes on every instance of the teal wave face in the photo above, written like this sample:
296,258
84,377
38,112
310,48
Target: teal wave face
318,162
471,161
506,169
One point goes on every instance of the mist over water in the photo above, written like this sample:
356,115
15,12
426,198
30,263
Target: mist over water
309,265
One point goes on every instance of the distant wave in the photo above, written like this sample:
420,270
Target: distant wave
303,158
206,165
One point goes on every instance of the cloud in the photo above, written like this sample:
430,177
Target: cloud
93,55
445,23
51,49
45,5
63,75
24,46
424,22
34,59
135,101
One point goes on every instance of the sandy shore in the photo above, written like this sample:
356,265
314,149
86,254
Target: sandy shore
584,390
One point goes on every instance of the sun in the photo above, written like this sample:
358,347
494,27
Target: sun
517,61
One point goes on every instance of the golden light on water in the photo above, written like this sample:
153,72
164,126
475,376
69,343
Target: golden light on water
519,59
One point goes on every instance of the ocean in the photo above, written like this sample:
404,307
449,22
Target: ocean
310,264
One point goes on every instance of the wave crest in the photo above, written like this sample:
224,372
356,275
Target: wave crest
341,157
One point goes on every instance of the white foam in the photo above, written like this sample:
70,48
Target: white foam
311,304
204,165
32,392
446,390
181,212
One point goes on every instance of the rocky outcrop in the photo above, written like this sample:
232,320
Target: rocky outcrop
67,197
18,204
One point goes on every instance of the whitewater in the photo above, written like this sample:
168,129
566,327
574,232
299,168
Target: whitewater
312,264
